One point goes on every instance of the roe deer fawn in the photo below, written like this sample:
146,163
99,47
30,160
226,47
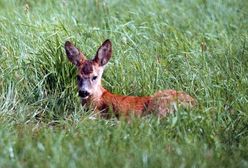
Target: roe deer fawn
102,101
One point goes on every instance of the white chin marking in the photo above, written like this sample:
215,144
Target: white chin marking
84,97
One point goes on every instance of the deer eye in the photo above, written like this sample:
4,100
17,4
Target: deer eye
94,78
78,78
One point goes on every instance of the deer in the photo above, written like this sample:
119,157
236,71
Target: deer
106,104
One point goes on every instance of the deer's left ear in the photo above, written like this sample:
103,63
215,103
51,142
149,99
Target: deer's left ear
104,53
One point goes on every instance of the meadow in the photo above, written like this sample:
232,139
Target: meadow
198,46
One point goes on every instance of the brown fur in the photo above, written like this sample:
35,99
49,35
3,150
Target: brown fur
87,67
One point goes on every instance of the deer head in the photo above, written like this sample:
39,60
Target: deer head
89,71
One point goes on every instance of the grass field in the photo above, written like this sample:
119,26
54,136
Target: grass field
198,46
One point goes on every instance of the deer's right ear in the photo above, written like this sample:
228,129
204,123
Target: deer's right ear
73,54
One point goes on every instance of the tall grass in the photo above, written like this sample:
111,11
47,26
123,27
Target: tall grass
197,46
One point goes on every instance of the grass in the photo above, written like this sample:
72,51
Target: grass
197,46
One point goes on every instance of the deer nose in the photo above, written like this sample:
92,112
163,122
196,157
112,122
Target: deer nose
83,93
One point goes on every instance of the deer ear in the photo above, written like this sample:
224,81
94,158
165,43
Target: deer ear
104,53
73,54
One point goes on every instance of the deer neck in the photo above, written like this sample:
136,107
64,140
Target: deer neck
97,94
